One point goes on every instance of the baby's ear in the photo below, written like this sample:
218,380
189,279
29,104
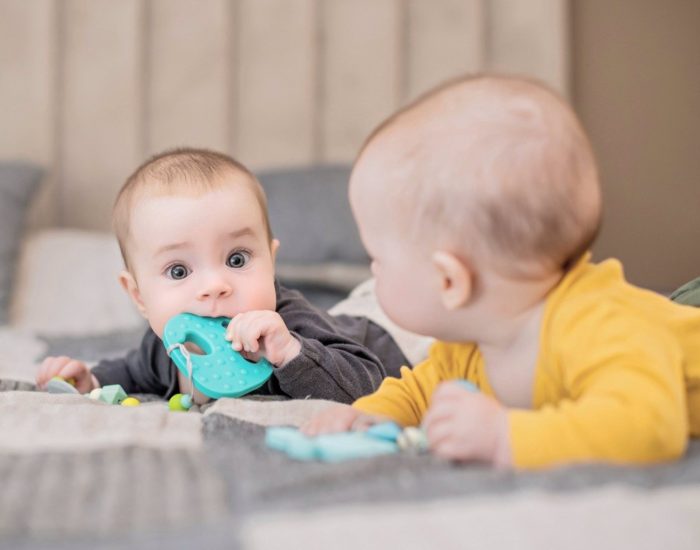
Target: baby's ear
128,283
455,280
274,247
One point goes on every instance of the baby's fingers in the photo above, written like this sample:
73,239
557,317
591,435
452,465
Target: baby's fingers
246,332
74,369
364,421
50,367
40,376
230,330
338,418
311,426
235,330
438,430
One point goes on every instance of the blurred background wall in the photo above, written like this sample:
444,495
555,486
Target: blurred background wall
90,88
636,85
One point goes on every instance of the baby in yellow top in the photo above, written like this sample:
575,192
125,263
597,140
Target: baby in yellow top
478,204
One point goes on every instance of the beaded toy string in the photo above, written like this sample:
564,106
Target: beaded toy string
186,354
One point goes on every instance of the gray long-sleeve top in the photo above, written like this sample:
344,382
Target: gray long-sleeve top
342,357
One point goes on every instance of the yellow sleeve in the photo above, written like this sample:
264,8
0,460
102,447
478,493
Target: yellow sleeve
625,403
406,399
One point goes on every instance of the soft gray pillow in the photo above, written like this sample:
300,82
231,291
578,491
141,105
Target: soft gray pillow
321,253
310,215
18,182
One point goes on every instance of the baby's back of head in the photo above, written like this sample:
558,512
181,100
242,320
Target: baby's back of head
500,166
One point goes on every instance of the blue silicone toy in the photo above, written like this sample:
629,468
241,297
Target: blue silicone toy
336,447
222,371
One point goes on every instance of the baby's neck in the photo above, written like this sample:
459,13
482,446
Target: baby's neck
511,308
509,341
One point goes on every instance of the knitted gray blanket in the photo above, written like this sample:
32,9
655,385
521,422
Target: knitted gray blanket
208,479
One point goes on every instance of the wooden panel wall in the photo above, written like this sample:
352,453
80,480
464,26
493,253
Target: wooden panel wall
637,89
362,71
185,79
100,105
275,81
28,91
90,88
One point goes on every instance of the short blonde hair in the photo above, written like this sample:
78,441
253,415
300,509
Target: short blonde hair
502,161
187,171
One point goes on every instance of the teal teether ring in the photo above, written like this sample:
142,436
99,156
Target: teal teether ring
335,447
222,371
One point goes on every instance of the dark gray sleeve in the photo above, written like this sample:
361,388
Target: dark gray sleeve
147,369
339,357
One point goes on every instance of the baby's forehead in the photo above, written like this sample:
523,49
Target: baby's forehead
154,189
192,206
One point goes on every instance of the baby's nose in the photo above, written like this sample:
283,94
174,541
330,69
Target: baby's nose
215,289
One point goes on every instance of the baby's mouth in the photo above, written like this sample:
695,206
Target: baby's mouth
219,310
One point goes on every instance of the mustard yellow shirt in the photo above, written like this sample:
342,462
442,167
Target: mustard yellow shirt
617,376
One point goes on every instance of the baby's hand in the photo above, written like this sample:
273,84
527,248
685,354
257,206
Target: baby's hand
263,333
464,425
338,418
66,368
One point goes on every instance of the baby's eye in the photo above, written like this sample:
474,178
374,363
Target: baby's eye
177,272
238,259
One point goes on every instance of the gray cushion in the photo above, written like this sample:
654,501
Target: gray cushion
688,294
310,215
18,182
321,253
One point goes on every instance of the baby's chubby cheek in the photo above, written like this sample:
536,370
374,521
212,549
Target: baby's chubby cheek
158,319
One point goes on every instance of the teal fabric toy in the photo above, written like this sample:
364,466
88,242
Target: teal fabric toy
336,447
221,371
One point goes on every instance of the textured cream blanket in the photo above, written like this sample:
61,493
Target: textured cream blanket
269,413
36,421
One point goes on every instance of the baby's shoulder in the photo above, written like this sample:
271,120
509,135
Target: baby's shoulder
608,311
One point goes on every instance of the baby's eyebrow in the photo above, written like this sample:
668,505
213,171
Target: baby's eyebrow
173,246
244,231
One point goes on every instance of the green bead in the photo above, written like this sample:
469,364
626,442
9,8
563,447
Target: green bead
112,394
175,403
